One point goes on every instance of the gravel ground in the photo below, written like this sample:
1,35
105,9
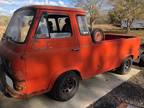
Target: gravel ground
130,93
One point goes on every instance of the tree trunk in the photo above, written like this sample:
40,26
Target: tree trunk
128,26
128,29
91,23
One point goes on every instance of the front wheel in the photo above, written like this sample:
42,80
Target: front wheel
125,66
65,87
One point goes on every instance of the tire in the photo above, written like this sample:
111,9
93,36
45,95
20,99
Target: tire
97,35
125,66
141,63
2,79
65,87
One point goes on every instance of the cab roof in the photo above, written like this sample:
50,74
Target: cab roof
60,8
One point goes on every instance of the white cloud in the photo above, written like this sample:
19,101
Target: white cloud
61,3
9,6
47,2
1,8
12,11
30,2
52,3
6,1
2,11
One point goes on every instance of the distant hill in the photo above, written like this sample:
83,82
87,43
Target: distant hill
4,20
3,24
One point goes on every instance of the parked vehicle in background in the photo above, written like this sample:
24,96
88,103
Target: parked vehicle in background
141,58
137,24
50,49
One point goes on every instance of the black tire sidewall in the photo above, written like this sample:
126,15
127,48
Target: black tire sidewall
56,91
141,63
123,70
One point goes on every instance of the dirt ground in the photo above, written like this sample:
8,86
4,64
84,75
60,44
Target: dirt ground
128,93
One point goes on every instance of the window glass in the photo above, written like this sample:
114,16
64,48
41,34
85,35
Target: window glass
61,23
83,25
61,26
19,25
54,26
42,30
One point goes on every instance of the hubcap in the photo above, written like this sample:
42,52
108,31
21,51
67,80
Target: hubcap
127,65
68,85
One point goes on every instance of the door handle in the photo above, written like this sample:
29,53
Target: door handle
76,49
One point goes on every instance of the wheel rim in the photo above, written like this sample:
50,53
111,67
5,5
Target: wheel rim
127,65
68,85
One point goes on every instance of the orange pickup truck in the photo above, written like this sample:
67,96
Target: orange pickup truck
50,49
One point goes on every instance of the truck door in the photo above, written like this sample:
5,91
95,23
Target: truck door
93,55
54,48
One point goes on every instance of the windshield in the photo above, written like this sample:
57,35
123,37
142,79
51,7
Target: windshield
19,25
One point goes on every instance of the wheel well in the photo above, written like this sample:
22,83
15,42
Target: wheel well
131,56
77,72
126,58
56,78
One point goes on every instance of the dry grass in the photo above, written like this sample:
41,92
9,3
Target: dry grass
112,29
3,23
2,30
106,27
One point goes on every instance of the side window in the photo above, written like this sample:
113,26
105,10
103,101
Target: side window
59,26
83,25
42,30
54,26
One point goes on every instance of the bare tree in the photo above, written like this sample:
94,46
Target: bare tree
92,6
128,10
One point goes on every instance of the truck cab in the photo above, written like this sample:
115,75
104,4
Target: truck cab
50,49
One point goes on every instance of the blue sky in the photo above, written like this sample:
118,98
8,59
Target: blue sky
7,7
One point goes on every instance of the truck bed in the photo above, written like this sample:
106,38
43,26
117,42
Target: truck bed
117,36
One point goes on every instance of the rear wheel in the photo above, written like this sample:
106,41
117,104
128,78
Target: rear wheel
141,63
65,86
125,66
